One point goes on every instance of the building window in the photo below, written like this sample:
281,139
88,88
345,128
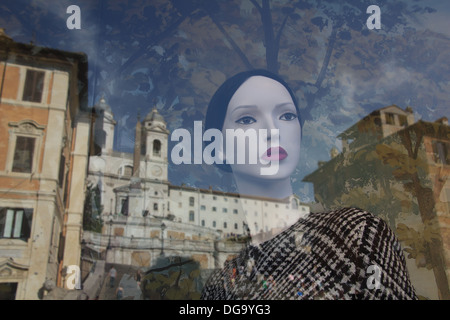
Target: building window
191,201
235,200
24,146
155,207
156,148
34,86
214,198
126,171
62,171
214,224
225,225
402,120
203,223
214,209
15,223
180,204
294,204
124,206
235,211
224,210
390,119
235,226
441,152
23,154
191,216
202,208
8,290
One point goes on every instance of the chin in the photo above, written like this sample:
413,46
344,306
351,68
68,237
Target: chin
253,172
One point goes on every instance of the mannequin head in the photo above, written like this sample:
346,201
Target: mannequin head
259,100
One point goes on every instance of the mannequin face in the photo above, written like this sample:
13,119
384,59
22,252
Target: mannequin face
263,103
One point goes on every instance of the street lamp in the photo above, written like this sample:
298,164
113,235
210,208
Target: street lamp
163,226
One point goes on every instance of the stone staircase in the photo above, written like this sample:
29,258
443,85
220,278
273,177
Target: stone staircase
125,279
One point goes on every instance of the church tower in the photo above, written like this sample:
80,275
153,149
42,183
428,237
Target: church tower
104,127
155,137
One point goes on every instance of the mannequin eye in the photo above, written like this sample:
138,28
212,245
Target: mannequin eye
246,120
288,116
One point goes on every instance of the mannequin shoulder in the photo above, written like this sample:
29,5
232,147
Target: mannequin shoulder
344,217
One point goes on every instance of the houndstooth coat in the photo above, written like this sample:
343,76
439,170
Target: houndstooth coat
342,254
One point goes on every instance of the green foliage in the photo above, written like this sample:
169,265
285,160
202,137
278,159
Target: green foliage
417,243
92,219
175,281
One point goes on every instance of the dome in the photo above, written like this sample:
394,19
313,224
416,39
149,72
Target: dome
102,105
154,116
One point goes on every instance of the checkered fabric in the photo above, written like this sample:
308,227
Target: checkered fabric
342,254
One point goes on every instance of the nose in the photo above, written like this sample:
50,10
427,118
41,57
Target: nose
273,131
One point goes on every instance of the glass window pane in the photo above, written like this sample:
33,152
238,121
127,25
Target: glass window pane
23,154
26,223
8,224
18,224
2,221
34,86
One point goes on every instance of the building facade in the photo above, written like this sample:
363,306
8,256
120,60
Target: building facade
43,139
144,214
399,170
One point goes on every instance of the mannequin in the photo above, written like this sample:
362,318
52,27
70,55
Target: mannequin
321,256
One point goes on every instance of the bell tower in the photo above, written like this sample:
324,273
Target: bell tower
104,127
155,144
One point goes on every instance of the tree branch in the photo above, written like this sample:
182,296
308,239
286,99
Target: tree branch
152,41
179,264
269,37
278,37
326,59
230,40
256,4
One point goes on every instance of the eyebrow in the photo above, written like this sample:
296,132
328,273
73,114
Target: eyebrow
253,106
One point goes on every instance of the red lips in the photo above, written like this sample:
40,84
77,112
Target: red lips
277,153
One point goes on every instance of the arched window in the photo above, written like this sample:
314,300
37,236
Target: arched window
156,148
